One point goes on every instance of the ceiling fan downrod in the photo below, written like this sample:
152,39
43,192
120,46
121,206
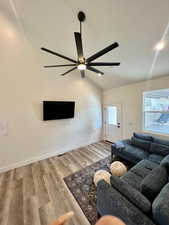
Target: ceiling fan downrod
81,17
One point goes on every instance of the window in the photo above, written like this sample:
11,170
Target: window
112,115
156,111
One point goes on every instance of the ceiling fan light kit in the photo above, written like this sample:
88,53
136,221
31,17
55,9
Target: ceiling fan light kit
81,63
81,67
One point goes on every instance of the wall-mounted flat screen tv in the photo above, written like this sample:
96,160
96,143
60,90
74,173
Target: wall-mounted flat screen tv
53,110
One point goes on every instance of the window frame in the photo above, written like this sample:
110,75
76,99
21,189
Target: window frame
150,111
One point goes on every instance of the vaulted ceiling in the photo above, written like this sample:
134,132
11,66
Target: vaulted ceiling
136,25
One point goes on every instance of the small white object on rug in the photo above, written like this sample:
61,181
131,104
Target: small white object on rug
102,175
117,168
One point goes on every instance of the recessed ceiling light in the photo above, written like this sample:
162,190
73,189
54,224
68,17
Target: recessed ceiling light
159,46
81,67
99,74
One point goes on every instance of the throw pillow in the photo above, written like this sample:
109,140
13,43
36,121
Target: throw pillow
154,182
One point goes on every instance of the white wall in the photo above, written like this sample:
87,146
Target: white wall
24,84
130,96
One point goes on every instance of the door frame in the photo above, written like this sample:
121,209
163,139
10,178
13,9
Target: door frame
105,121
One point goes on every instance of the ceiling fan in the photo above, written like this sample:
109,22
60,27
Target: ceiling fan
81,63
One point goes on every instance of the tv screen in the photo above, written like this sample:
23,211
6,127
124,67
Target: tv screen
58,110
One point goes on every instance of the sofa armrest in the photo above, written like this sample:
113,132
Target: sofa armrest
118,147
160,207
133,195
111,202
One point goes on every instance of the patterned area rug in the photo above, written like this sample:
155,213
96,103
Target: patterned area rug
83,189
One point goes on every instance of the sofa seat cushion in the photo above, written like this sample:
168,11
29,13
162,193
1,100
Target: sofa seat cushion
143,136
154,182
133,195
135,153
132,179
160,207
140,143
155,158
143,168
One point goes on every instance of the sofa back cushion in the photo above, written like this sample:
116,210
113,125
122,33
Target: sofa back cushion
160,207
143,136
154,182
140,143
159,149
161,141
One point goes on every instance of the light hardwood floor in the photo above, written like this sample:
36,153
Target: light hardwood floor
36,194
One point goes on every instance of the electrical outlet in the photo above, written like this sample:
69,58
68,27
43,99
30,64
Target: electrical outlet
3,128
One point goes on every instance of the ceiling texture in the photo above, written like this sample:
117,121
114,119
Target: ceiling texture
136,25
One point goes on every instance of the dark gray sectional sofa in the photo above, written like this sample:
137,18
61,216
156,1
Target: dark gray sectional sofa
141,196
141,146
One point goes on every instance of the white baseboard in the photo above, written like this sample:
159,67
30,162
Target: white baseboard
29,161
36,159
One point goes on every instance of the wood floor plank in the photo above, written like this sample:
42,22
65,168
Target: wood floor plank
40,188
86,155
19,173
84,162
47,214
4,206
31,211
95,156
61,167
76,159
15,216
104,146
68,164
98,152
28,183
45,169
101,148
54,190
6,191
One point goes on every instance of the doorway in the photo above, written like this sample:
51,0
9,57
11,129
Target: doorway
113,122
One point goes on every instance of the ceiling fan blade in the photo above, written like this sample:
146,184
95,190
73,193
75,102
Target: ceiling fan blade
94,70
79,46
57,54
82,73
68,71
104,64
59,65
102,52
